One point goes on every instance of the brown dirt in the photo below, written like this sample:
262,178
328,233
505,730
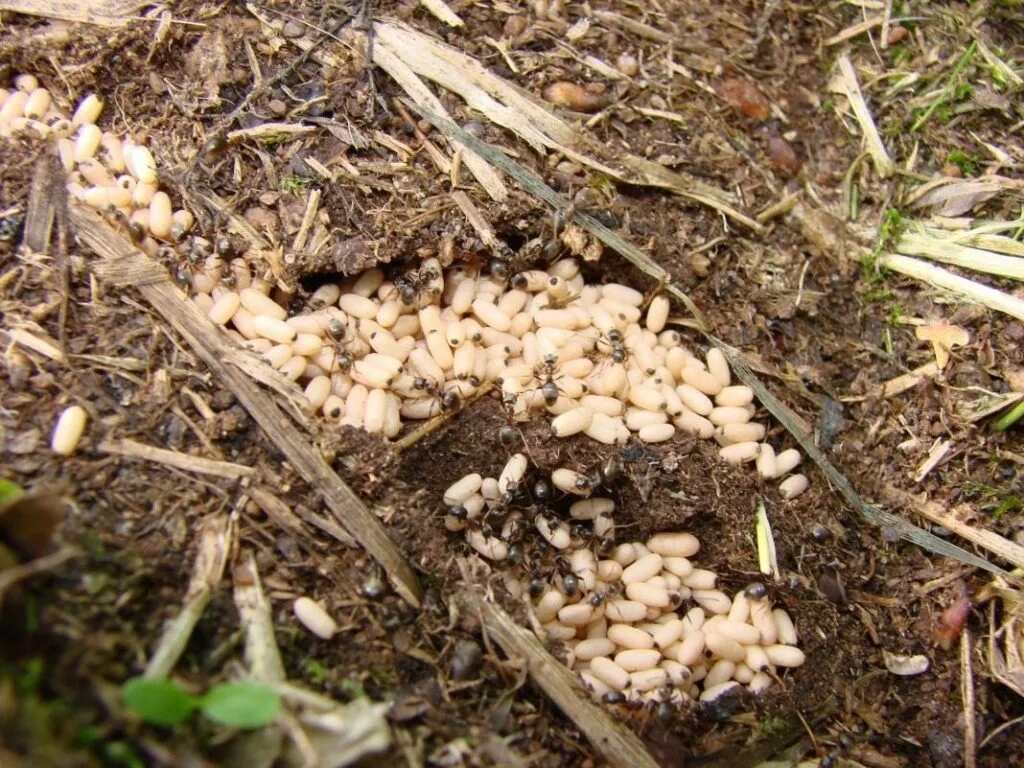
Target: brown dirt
90,625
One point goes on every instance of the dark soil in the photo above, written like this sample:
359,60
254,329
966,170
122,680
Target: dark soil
816,323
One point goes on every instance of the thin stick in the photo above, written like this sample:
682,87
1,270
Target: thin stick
943,278
215,543
312,206
967,694
883,163
154,283
435,423
134,450
619,746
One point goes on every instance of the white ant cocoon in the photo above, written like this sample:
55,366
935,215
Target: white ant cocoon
67,433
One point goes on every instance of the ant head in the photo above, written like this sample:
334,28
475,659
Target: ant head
450,400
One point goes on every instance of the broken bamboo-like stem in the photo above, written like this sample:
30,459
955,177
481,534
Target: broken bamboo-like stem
215,540
943,278
619,746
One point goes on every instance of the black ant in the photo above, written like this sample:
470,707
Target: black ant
448,398
547,370
418,284
613,344
335,332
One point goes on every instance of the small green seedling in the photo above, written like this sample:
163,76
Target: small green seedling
1010,418
238,705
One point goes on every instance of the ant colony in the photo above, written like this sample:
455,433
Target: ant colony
638,620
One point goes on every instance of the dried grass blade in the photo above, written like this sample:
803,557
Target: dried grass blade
415,88
879,155
965,256
506,105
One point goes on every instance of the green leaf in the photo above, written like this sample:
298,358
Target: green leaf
9,491
241,705
160,702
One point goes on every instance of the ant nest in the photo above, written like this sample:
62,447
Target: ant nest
374,353
623,618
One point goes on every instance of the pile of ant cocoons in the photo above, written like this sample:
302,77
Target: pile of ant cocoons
374,354
619,617
628,637
104,171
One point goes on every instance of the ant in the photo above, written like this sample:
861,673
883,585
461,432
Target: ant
545,372
335,332
613,344
448,399
422,285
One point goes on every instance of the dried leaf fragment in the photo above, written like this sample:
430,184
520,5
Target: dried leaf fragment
746,97
943,337
576,97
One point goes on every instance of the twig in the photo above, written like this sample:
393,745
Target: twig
215,544
312,206
267,131
154,283
134,450
967,695
883,163
619,746
943,278
852,31
432,425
